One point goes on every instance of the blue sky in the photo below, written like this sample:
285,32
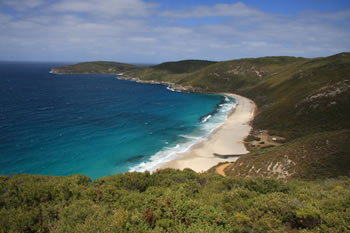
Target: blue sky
153,31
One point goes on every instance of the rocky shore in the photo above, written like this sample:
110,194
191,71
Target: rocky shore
170,86
57,71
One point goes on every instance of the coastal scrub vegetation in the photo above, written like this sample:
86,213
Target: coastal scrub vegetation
169,71
316,156
184,66
306,101
172,201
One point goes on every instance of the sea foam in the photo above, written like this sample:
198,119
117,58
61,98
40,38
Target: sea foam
208,124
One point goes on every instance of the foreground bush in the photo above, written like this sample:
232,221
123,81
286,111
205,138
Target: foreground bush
172,201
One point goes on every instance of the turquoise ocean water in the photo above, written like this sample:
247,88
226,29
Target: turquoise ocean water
96,125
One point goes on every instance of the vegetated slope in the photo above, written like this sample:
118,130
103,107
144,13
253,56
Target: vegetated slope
184,66
235,74
169,71
297,98
172,201
309,104
316,156
307,97
95,67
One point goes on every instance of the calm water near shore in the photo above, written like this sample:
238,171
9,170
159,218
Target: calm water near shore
95,125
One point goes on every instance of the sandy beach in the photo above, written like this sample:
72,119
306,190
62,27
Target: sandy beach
226,140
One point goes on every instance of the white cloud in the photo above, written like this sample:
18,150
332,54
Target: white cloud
128,31
106,8
4,18
334,16
143,39
21,5
233,10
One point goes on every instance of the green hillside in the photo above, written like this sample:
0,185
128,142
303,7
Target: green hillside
235,74
216,76
169,71
295,96
309,104
185,66
300,99
305,97
316,156
96,67
172,201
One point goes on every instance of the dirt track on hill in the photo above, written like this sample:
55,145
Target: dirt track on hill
220,169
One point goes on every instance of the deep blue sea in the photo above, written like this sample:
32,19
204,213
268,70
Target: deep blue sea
96,125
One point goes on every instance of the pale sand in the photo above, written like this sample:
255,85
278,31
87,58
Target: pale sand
221,169
226,140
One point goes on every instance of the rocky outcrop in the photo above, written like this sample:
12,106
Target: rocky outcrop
170,86
325,97
329,91
57,71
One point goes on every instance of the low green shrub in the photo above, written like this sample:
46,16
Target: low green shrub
172,201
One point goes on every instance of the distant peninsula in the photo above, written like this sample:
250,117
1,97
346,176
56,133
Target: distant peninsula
95,67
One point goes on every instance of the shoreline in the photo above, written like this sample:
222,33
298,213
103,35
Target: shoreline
228,139
170,86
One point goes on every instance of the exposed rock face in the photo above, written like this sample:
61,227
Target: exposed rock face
329,91
312,157
325,97
179,88
245,70
56,71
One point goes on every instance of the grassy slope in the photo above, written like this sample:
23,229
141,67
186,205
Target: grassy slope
309,103
172,201
185,66
235,74
316,156
281,98
170,71
297,98
96,67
